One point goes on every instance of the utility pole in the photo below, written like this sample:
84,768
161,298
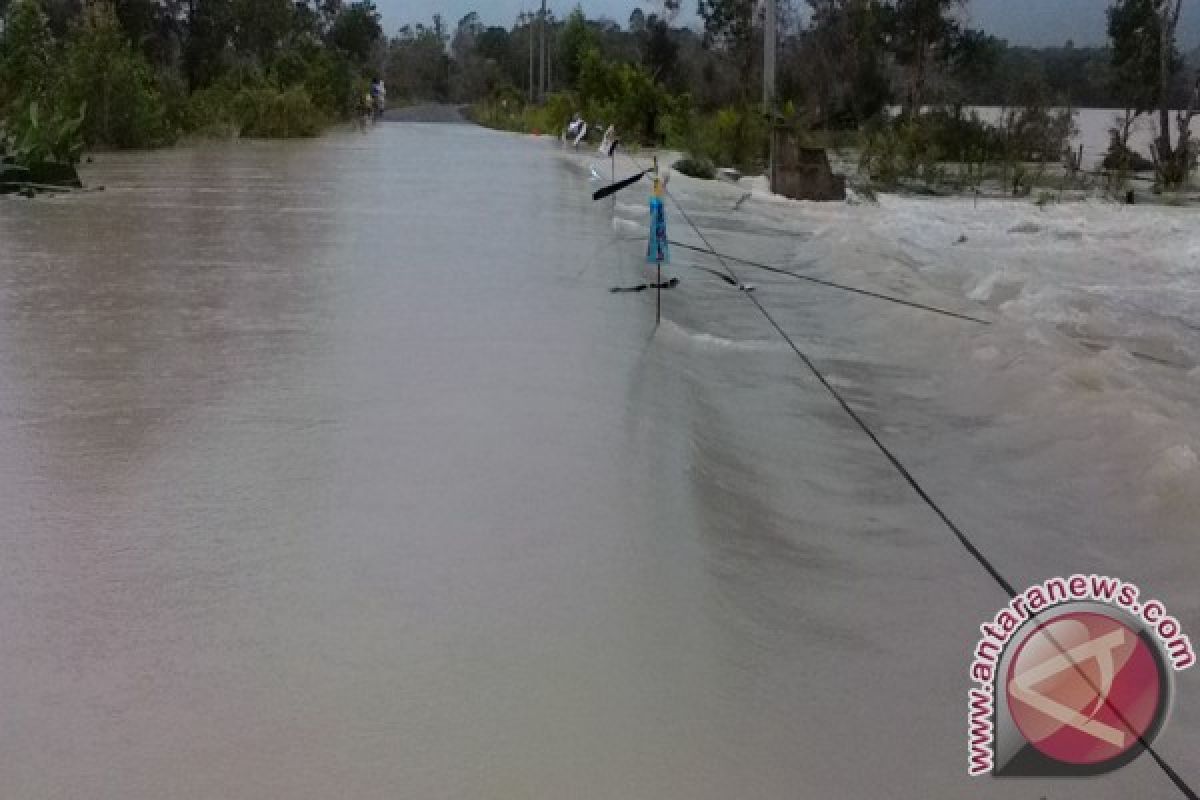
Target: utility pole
770,39
542,83
527,18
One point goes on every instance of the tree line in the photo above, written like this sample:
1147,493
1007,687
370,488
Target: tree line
138,73
143,71
843,65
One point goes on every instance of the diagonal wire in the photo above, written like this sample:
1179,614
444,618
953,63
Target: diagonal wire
926,497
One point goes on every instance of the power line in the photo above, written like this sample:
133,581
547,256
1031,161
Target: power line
917,487
831,284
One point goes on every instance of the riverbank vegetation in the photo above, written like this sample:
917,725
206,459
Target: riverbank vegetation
143,73
898,77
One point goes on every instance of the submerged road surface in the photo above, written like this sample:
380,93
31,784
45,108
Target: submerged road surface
332,469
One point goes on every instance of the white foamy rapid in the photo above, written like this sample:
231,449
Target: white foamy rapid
1092,361
1088,376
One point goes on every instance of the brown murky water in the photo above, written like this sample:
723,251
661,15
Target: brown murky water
332,469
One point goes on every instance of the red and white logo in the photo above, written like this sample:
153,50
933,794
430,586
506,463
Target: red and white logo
1072,678
1085,689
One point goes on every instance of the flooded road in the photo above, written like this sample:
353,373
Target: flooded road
333,469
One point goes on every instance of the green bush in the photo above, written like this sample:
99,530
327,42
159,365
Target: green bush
32,139
915,149
292,88
962,137
174,93
334,83
625,95
507,111
732,137
696,168
265,113
554,115
1037,133
742,138
332,80
903,150
270,114
210,113
290,68
243,75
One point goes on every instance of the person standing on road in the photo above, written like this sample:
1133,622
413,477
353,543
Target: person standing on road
378,96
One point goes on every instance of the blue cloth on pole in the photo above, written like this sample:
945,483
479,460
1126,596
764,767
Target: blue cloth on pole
658,249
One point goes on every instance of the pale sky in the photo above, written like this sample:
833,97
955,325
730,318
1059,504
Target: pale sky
1036,22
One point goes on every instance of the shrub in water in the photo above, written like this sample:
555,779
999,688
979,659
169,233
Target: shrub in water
34,139
271,114
334,84
210,113
696,168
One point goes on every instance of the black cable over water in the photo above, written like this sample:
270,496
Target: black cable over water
916,486
854,415
830,284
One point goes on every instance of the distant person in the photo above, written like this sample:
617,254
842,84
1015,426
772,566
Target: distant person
378,96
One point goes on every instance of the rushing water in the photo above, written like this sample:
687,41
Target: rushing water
333,469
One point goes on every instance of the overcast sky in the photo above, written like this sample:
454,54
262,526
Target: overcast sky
1038,22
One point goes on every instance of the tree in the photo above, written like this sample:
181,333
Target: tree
152,26
1133,29
637,21
210,28
493,44
844,58
576,39
729,26
327,12
61,14
104,73
924,33
261,26
1146,61
975,55
1168,13
659,50
356,30
417,63
438,30
476,73
26,55
468,31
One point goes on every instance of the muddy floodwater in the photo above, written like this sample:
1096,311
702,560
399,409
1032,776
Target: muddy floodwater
332,469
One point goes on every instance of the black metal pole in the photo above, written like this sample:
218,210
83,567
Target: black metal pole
658,292
613,160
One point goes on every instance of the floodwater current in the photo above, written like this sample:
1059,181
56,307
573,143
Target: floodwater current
332,469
